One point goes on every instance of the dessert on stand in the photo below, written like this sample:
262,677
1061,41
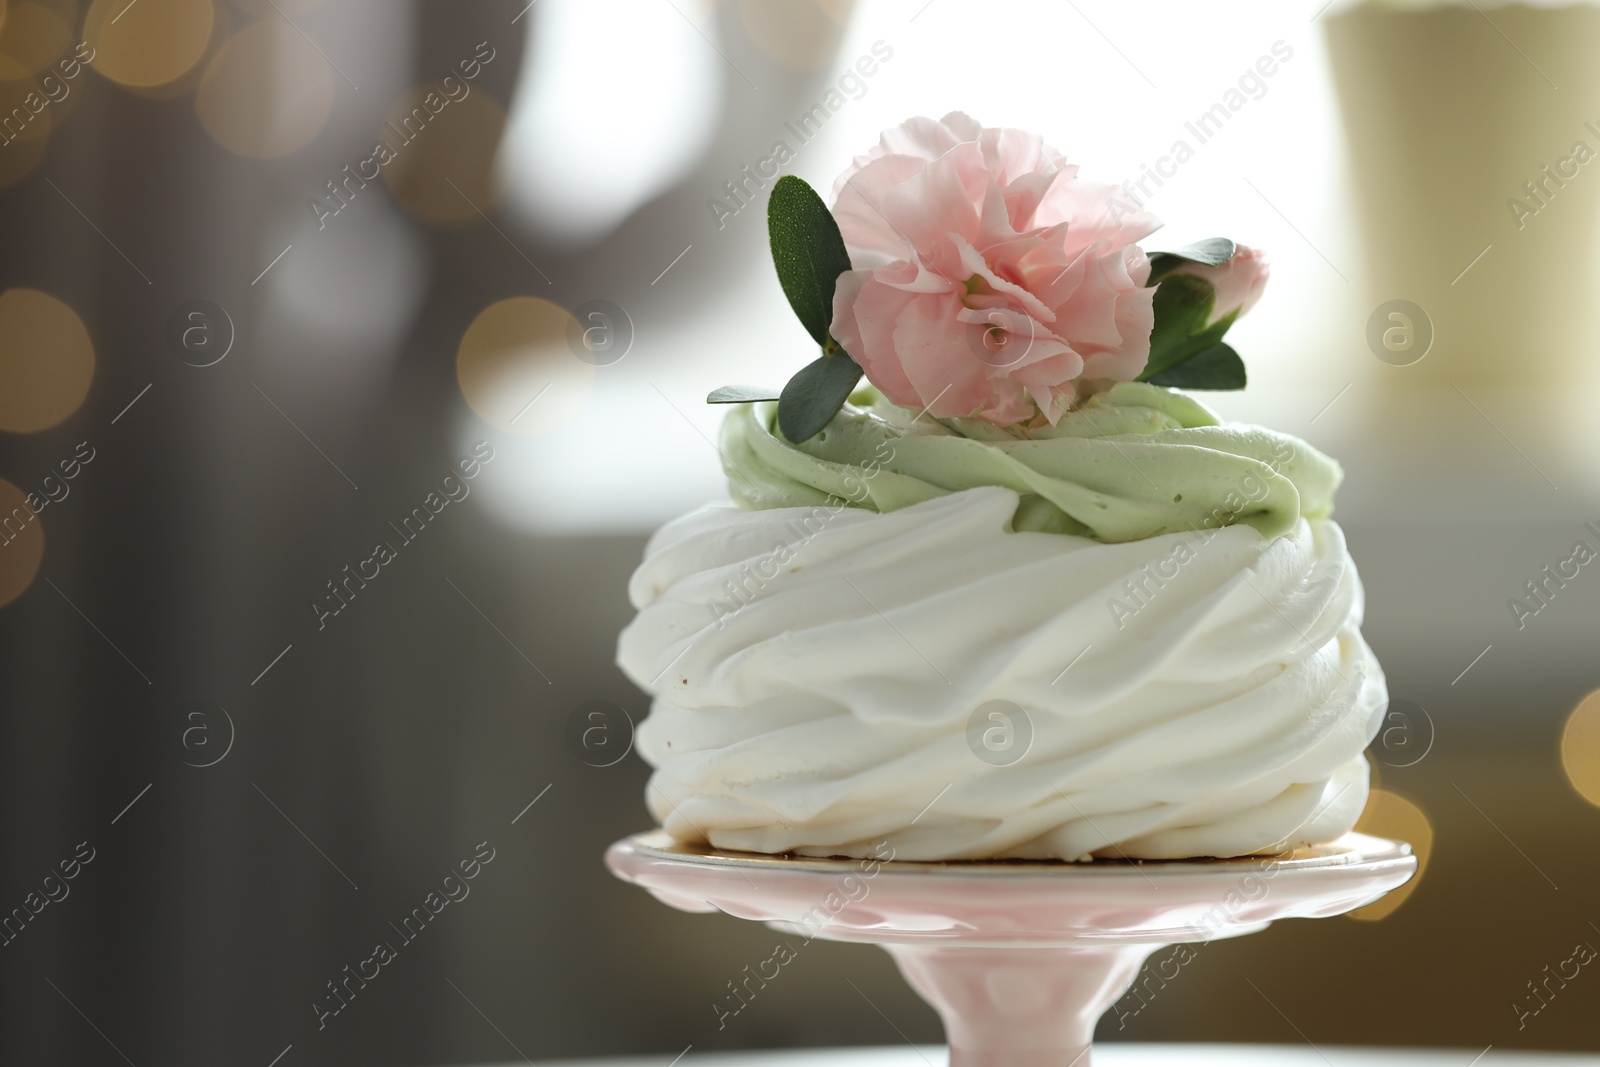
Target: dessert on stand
1014,658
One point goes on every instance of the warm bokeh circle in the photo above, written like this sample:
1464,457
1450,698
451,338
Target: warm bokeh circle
1393,816
1580,748
21,543
149,43
266,93
46,361
34,35
516,370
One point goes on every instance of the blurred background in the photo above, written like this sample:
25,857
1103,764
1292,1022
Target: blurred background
272,269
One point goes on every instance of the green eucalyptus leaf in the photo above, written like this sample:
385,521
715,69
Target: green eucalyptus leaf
1211,252
808,251
741,394
1218,367
1183,303
814,395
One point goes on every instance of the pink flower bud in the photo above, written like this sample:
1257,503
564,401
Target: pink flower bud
1238,282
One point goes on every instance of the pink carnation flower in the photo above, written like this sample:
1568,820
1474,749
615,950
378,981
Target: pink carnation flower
989,278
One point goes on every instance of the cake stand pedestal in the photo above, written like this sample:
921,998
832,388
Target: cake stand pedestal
1019,957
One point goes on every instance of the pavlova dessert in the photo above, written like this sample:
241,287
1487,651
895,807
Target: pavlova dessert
1018,594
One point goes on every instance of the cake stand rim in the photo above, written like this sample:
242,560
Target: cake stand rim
1352,852
1019,904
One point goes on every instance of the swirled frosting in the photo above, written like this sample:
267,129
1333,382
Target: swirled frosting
825,677
1132,462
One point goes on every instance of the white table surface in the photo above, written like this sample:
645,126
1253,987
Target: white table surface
1119,1055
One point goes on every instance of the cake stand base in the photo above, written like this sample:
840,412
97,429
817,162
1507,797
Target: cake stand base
1020,958
1019,1007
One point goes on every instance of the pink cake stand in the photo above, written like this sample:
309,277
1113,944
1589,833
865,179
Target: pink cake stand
1019,958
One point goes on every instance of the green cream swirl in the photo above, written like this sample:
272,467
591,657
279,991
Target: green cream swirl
1132,462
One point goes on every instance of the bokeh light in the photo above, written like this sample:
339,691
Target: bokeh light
149,43
804,34
34,35
22,144
35,94
46,360
517,370
21,542
1393,816
574,174
266,93
1580,748
448,159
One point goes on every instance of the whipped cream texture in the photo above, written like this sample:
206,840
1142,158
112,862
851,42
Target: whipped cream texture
820,674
